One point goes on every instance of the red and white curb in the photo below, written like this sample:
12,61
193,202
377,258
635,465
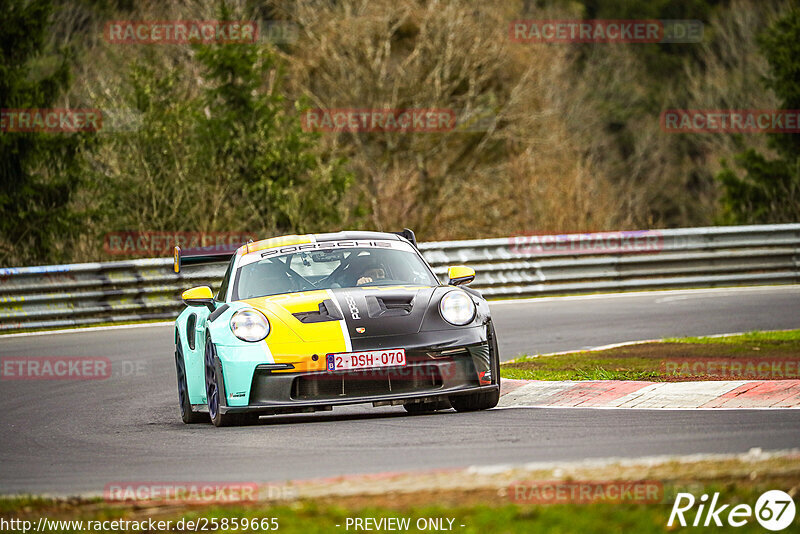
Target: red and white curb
658,395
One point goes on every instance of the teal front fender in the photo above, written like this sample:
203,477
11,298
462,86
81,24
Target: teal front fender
238,365
191,334
238,358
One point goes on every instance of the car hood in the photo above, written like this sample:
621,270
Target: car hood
364,311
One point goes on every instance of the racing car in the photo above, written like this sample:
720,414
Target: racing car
303,323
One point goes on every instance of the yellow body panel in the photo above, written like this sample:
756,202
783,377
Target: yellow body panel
296,342
283,241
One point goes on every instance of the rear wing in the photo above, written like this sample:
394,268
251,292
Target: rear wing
200,256
408,234
217,254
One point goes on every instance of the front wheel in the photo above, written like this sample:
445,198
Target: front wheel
483,401
188,415
215,393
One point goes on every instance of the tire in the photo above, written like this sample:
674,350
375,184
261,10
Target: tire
215,393
417,408
188,415
483,401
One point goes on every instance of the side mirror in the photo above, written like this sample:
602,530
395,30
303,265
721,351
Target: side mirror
460,274
199,296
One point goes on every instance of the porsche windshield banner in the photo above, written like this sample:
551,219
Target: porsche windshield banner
257,255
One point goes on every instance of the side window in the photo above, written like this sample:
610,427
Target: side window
223,289
190,324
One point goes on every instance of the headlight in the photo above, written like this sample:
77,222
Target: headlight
249,325
457,308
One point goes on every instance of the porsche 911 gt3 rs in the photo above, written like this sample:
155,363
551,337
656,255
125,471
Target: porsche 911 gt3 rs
303,323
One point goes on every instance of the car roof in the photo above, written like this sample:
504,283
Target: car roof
289,240
356,235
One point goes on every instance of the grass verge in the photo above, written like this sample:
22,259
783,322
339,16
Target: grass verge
751,356
457,501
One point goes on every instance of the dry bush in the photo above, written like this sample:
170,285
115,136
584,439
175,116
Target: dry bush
732,73
549,161
523,173
611,112
667,179
144,178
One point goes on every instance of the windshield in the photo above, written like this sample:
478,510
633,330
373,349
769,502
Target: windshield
331,269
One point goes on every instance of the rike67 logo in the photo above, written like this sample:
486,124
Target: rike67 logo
774,510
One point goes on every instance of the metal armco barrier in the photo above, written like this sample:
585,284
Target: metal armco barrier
122,291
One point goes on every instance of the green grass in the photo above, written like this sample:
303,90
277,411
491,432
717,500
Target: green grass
577,369
487,506
310,518
750,337
646,361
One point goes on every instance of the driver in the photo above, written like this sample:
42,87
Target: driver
372,274
371,271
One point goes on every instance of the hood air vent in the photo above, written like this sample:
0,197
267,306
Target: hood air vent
327,312
389,306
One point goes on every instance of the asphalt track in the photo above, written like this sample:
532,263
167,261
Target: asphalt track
75,437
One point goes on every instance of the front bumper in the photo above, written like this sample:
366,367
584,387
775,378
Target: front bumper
375,400
444,365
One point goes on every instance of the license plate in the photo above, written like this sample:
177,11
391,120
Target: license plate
367,359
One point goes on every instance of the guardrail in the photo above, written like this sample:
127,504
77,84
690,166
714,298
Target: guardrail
120,291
